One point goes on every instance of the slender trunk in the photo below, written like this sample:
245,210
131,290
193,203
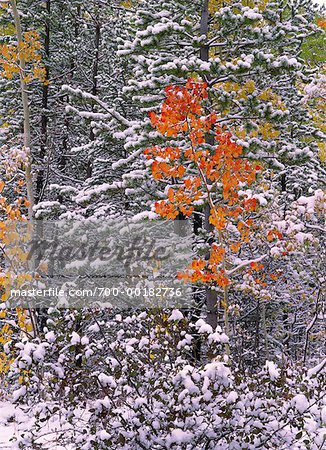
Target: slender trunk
40,185
263,314
211,296
310,326
95,84
257,318
63,160
225,298
27,132
96,57
204,49
26,112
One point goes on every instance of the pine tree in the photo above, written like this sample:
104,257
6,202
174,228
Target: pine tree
250,57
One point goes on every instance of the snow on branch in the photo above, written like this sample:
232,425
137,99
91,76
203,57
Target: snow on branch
86,96
246,263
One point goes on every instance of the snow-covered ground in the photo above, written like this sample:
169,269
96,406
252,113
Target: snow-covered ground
12,415
7,430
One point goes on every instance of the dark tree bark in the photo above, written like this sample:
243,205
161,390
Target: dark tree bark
95,82
63,160
40,180
211,296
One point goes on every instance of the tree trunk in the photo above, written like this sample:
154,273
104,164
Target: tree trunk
211,296
204,49
95,83
26,112
40,183
27,133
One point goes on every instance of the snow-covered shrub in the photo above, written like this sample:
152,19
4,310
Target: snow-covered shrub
133,383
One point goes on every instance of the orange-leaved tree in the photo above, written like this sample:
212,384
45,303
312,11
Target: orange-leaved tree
21,58
13,322
200,171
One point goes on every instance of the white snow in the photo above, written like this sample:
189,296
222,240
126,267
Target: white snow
317,369
300,403
106,380
179,436
150,215
94,328
84,340
7,430
39,353
272,369
232,397
75,338
20,392
50,336
175,315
